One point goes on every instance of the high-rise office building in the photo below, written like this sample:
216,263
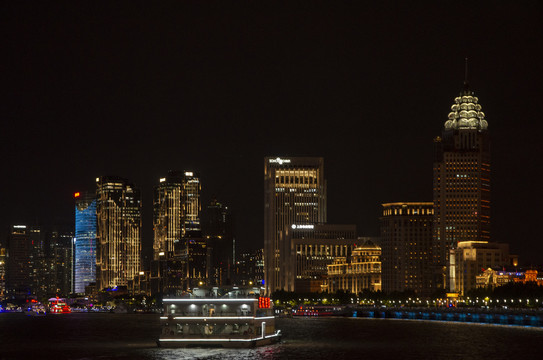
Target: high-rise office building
178,242
217,229
118,209
3,265
62,244
406,242
19,269
294,193
168,215
461,180
85,240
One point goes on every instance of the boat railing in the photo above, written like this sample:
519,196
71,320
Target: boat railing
217,314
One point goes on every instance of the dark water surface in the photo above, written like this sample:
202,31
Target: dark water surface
122,336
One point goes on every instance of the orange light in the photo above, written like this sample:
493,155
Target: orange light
76,194
264,302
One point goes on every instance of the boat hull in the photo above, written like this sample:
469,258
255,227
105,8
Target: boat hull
224,343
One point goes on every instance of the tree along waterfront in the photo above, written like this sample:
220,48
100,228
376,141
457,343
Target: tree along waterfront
509,296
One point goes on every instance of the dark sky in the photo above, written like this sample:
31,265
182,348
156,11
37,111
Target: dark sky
135,89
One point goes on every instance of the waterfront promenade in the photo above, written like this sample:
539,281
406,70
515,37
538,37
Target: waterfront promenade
519,317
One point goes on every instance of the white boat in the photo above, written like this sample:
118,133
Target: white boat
218,318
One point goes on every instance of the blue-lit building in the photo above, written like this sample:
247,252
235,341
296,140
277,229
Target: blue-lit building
85,241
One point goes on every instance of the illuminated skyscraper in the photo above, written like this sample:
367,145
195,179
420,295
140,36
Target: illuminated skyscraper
168,217
176,221
191,198
85,240
118,209
2,273
294,193
461,179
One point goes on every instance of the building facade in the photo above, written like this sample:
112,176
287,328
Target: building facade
178,244
3,265
461,180
192,203
63,250
85,241
469,258
294,193
118,209
168,215
19,269
361,272
218,231
307,251
406,241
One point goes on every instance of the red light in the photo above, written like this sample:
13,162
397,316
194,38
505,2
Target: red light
76,194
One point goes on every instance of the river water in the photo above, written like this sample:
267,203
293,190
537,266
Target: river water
132,336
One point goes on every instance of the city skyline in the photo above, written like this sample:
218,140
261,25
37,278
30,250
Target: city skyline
363,90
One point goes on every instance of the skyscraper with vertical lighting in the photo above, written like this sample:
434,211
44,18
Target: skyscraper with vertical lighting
118,209
176,223
461,179
85,240
192,203
294,193
168,215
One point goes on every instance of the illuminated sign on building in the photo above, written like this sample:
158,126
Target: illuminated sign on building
77,194
264,302
279,161
188,173
311,227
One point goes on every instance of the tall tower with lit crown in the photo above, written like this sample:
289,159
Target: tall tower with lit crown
461,179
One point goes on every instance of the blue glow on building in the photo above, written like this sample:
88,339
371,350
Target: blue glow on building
85,241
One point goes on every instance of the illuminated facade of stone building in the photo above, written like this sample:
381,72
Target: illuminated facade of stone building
468,258
294,193
118,209
361,272
461,180
406,241
308,249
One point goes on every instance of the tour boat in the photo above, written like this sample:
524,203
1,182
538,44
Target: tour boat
58,306
234,317
35,308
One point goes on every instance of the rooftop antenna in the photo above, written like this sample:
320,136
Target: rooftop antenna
466,86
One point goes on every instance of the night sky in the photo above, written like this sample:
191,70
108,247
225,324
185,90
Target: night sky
135,89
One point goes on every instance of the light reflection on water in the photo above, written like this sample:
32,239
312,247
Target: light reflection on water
265,353
133,336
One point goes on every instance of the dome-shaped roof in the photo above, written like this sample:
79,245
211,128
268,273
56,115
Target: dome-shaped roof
466,113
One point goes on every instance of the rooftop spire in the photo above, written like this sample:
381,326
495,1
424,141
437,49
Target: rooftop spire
466,84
